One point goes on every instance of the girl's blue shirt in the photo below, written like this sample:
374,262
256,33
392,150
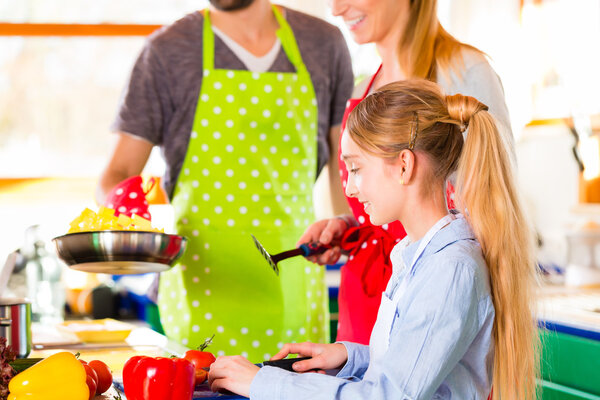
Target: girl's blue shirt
441,344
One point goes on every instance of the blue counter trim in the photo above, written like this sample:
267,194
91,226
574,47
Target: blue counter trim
569,330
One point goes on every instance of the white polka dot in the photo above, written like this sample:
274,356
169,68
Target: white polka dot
195,328
279,102
255,222
295,150
266,113
110,205
204,97
184,341
195,232
268,89
296,102
289,332
230,222
206,197
186,171
244,331
242,185
269,332
217,110
302,331
220,329
265,160
255,343
220,353
217,185
207,270
267,185
242,111
206,221
361,219
288,89
255,197
230,198
266,356
217,160
241,136
314,329
217,135
255,75
119,191
303,89
229,98
206,72
194,208
253,124
242,86
306,113
229,123
374,241
262,136
243,210
195,257
194,134
289,114
275,174
206,246
279,77
204,122
122,209
218,209
133,195
286,138
195,303
285,186
232,342
385,226
266,210
207,292
273,149
254,100
254,173
195,280
278,198
230,74
277,222
217,85
242,160
204,147
229,148
253,149
284,161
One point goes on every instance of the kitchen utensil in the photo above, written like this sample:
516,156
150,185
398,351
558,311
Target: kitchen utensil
305,249
120,252
15,325
285,363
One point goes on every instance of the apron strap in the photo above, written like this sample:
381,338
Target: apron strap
285,34
208,44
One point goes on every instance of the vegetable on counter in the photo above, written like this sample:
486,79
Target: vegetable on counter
201,359
158,378
6,370
59,377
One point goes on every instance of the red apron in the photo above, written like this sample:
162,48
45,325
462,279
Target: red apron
366,273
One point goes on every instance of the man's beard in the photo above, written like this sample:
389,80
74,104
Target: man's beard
230,5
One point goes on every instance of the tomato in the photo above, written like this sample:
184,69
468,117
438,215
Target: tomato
200,359
91,378
105,378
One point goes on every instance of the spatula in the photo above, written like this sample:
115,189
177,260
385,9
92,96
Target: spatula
306,250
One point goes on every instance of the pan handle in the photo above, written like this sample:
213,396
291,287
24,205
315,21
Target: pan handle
313,248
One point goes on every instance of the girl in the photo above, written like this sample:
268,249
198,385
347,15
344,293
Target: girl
412,44
455,316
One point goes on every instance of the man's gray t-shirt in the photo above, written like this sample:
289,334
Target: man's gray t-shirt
160,100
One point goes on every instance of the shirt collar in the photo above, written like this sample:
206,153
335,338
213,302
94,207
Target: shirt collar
458,229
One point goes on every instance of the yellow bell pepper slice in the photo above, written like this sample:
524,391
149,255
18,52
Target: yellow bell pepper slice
58,377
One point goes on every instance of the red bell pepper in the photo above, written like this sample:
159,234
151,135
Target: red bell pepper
160,378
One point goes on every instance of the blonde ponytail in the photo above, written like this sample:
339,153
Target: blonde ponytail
488,196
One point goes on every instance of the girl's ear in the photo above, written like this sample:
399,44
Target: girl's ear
404,167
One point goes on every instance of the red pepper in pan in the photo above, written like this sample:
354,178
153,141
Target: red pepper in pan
158,378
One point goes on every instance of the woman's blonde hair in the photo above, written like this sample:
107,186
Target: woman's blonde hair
426,47
414,114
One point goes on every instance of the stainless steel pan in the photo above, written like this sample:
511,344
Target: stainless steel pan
120,252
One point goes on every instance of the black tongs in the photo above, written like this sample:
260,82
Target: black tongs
306,250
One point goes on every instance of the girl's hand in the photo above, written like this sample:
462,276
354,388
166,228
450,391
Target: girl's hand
324,356
233,373
326,231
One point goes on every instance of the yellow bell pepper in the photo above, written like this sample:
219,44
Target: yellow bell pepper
58,377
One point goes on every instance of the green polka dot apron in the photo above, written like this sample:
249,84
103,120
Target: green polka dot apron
249,168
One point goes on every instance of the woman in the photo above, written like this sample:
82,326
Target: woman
412,44
456,315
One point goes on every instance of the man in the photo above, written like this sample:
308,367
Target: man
245,100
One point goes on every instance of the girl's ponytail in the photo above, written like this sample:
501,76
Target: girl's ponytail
487,195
